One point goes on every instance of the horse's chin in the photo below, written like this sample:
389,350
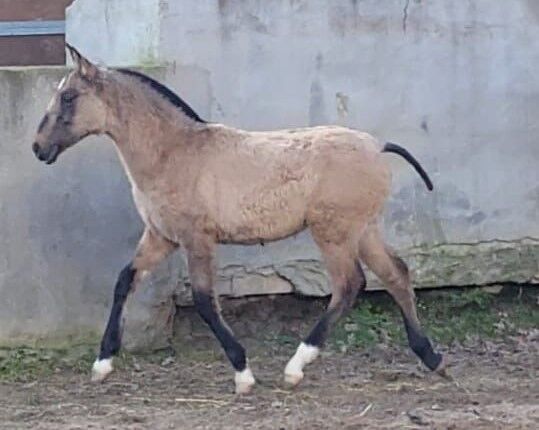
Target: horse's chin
52,156
49,155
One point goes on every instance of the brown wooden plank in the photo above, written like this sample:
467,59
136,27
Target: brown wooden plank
29,10
32,50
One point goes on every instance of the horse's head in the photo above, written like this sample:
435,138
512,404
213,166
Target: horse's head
75,111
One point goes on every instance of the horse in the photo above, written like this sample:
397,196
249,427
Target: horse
197,184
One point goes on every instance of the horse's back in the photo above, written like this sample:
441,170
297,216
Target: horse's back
270,184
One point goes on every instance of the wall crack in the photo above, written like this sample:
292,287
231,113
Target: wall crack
405,15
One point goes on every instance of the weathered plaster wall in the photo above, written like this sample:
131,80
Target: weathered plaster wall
454,82
127,31
63,231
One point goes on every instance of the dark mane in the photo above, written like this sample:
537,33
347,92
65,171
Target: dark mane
165,92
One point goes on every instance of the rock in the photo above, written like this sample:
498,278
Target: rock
256,284
280,268
457,264
493,289
417,418
149,312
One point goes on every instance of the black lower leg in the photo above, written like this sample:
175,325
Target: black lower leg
421,345
206,308
319,333
110,344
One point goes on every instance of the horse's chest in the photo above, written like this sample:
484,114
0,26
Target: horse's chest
158,214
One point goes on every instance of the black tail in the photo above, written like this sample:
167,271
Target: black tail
396,149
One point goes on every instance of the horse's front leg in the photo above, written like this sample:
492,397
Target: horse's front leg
151,250
200,257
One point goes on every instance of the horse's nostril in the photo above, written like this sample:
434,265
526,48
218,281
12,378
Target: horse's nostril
35,148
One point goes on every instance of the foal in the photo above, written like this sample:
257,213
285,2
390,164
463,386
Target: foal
197,184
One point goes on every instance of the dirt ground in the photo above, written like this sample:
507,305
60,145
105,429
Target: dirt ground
495,386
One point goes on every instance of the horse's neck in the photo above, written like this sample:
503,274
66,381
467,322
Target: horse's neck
145,136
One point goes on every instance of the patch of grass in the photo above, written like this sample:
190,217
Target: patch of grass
80,359
25,364
474,313
282,339
370,323
447,316
459,316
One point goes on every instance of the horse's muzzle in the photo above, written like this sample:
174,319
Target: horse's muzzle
48,155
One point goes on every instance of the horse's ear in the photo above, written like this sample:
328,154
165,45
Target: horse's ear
83,66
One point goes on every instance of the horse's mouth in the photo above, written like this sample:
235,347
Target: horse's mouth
53,154
49,156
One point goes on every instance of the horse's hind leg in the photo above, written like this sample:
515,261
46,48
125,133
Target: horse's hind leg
200,256
394,273
347,280
151,250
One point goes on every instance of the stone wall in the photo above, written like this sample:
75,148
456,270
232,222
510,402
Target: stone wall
454,82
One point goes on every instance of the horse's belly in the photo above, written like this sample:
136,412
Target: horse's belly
259,231
270,216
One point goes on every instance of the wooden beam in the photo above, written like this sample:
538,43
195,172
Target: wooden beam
31,28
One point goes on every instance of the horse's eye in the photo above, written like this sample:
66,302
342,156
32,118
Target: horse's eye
68,96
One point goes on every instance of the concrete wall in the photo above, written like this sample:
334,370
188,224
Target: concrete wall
64,232
127,31
454,82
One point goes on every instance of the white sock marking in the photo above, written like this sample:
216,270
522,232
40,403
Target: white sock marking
244,381
304,355
101,369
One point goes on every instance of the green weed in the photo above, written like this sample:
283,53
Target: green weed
447,316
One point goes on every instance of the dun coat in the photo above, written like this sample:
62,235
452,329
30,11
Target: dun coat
197,184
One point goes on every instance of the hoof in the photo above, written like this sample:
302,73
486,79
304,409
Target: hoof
442,368
101,369
293,379
245,381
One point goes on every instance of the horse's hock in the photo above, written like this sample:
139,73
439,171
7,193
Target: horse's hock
67,232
